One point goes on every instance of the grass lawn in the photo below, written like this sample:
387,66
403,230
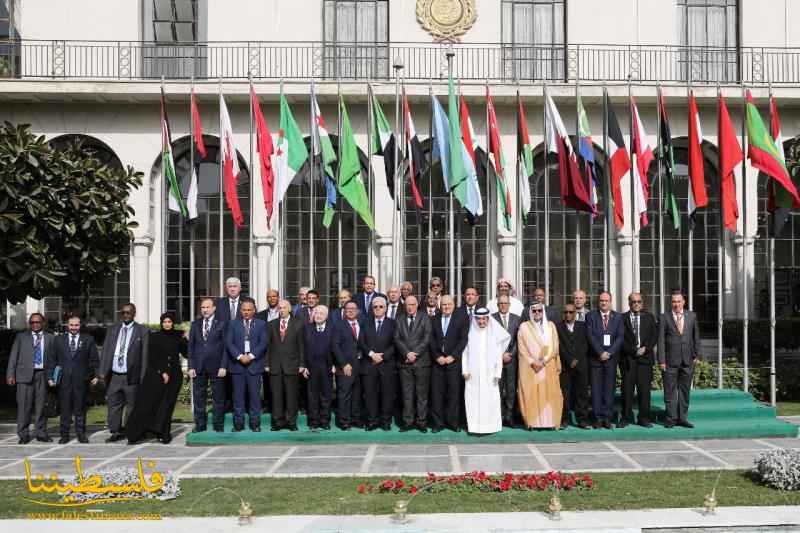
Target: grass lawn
339,496
788,408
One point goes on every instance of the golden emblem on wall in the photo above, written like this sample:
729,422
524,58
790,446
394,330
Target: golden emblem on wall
446,20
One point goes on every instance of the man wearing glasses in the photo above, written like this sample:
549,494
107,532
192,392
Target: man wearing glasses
32,359
378,366
123,363
636,363
574,350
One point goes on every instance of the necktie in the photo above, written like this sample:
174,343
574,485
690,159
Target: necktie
581,316
233,310
37,349
73,344
247,330
410,322
504,318
355,331
319,329
680,323
469,311
206,327
636,328
378,326
445,324
308,311
605,321
367,300
283,328
392,311
122,348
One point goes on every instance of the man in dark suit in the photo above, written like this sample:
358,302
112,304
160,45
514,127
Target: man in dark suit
77,357
411,340
346,356
605,332
449,333
470,305
305,313
394,303
364,298
32,359
123,364
573,348
337,313
538,297
207,364
319,337
286,362
678,352
229,307
508,379
301,300
271,312
246,342
638,358
378,366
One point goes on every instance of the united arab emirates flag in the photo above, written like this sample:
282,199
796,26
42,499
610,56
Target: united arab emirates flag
525,161
175,201
351,186
290,151
667,158
382,141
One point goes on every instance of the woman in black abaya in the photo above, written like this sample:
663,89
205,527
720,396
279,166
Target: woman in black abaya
158,393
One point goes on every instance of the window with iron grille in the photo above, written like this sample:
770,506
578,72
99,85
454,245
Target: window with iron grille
175,30
708,39
9,45
356,39
533,39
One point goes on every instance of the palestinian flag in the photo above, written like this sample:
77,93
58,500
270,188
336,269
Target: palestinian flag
382,141
620,163
497,161
525,163
667,157
175,201
414,153
730,155
697,190
290,151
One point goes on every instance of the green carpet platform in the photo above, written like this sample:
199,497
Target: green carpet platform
716,414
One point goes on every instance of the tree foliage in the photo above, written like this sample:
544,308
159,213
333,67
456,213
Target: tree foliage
64,216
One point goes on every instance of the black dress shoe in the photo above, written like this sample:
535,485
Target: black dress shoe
622,424
326,427
405,428
165,439
24,440
686,424
372,427
669,424
423,428
237,429
454,429
63,440
115,437
608,425
646,424
292,427
345,427
198,429
45,438
387,426
256,429
82,438
597,424
436,429
357,424
508,423
583,425
275,427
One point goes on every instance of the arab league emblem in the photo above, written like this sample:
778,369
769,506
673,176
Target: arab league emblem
446,20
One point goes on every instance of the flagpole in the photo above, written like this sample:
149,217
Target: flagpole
430,183
164,199
634,211
399,165
255,290
691,218
546,203
221,200
745,303
721,261
518,254
451,281
661,283
398,205
491,220
339,196
191,226
281,207
772,318
606,195
577,213
312,185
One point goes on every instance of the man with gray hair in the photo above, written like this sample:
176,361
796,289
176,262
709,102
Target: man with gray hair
319,337
378,366
449,332
302,294
229,307
394,305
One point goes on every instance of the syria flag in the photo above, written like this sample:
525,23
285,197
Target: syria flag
697,192
574,193
620,164
414,153
265,151
730,155
230,165
644,156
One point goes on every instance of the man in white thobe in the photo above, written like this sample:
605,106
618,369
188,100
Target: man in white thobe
482,366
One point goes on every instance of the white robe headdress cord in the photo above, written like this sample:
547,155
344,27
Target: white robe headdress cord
496,341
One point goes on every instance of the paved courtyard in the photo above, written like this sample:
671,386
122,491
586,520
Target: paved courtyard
378,460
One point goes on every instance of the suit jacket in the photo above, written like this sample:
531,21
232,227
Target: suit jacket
401,310
234,345
286,356
648,336
595,332
574,345
416,339
550,313
207,355
302,312
370,340
336,314
137,355
345,346
80,367
514,322
223,312
675,349
454,342
462,311
264,315
319,345
20,360
360,299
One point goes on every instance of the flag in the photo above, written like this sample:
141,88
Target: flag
290,151
469,145
198,128
265,150
697,197
730,155
573,188
497,161
199,147
458,172
382,141
230,163
644,156
168,175
350,184
525,163
667,157
441,145
325,156
414,153
586,153
620,163
779,203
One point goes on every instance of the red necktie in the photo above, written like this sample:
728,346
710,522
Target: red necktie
605,321
283,328
353,327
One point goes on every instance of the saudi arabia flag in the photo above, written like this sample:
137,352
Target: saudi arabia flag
290,151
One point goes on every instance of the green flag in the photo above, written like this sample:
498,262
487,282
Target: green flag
458,172
350,184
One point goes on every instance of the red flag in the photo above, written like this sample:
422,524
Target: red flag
496,152
198,128
644,156
466,131
265,150
620,165
697,192
413,152
230,164
730,155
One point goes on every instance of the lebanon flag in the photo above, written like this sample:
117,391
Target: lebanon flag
644,156
620,164
290,151
573,188
525,163
230,165
496,158
265,150
697,192
730,155
414,153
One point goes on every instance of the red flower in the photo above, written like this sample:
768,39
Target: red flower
399,484
388,485
588,483
413,489
362,488
586,477
505,485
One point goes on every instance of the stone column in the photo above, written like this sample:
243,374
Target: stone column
508,256
140,277
261,281
627,275
384,275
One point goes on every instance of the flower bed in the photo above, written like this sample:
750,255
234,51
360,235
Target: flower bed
480,481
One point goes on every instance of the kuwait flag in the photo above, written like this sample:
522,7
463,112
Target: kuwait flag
265,150
326,156
573,188
230,164
290,151
667,157
414,153
620,163
779,202
525,163
644,156
497,161
697,192
730,155
382,141
175,200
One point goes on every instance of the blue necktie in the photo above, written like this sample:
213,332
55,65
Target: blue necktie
445,325
37,350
